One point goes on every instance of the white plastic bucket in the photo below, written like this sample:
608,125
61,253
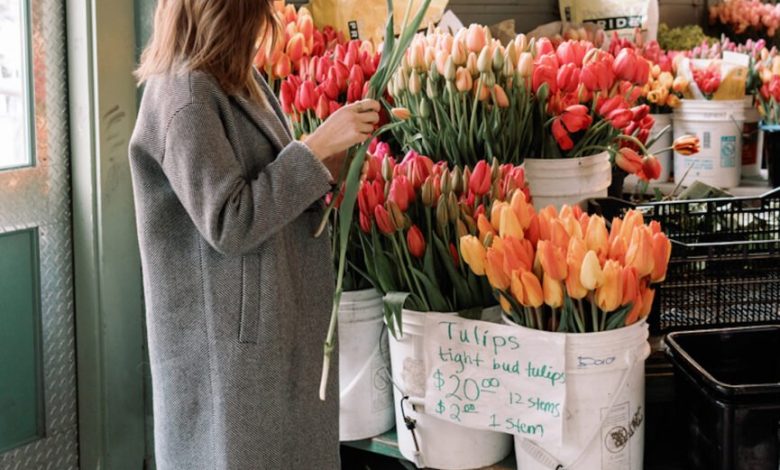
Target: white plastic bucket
664,158
605,404
751,158
442,445
366,399
559,181
719,126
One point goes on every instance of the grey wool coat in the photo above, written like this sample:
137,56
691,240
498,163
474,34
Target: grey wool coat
238,291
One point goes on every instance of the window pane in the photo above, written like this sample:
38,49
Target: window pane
14,121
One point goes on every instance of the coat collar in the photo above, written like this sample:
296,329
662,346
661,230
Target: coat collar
269,118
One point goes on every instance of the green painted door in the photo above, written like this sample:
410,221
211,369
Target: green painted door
38,415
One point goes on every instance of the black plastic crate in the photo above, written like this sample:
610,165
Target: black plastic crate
725,264
727,383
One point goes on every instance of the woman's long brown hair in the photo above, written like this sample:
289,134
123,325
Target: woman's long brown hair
219,37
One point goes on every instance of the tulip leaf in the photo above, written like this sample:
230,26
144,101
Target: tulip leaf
617,319
393,307
436,300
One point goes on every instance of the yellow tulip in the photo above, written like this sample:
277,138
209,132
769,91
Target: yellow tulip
574,258
673,101
495,214
516,287
597,236
484,227
509,224
474,254
553,292
666,80
591,274
505,305
610,294
680,84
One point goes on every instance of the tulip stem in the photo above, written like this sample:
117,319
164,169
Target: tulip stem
593,313
539,318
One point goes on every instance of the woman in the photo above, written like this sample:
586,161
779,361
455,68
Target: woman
238,291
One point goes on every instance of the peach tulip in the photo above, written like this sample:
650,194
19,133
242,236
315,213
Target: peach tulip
597,236
662,251
640,251
485,227
474,254
591,274
495,214
574,258
494,268
553,292
610,294
552,259
532,288
509,224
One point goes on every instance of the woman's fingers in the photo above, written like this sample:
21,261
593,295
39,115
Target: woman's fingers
365,106
370,117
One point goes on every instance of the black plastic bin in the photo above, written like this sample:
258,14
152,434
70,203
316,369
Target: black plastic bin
728,396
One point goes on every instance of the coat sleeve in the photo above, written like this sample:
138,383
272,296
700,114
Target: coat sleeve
233,214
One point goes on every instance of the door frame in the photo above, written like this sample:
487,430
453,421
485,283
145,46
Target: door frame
107,270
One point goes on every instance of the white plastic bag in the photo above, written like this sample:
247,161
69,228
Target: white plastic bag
622,16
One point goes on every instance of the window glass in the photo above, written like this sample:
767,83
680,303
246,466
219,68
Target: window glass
14,118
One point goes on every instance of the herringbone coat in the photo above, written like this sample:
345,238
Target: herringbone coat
238,292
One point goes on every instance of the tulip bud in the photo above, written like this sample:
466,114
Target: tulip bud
456,180
415,84
521,42
425,108
452,207
446,185
401,114
610,294
415,242
474,253
463,82
460,229
591,275
488,79
427,192
553,292
387,168
525,64
397,216
470,222
400,81
471,64
511,54
467,178
532,289
485,62
498,59
449,69
459,52
680,84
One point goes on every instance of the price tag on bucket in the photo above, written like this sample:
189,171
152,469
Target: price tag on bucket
495,377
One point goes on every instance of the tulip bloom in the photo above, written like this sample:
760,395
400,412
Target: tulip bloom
662,251
476,39
686,145
474,254
640,251
552,259
481,179
630,285
383,221
628,160
401,113
620,118
322,111
287,97
545,74
416,242
561,136
518,254
532,289
572,52
553,292
399,192
625,64
463,80
522,208
516,287
576,118
502,100
610,294
596,235
509,224
568,78
495,214
484,227
494,268
591,274
574,258
651,168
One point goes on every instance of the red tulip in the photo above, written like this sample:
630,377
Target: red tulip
322,111
287,97
628,160
640,112
334,106
341,73
400,189
597,76
295,47
576,118
572,52
365,223
308,96
542,74
330,88
620,118
481,179
383,221
611,104
568,78
544,46
416,242
561,136
282,66
354,92
651,168
356,75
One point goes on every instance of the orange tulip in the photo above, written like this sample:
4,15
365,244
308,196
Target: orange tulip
546,216
505,305
282,66
591,274
474,254
610,294
415,242
574,258
633,315
295,47
502,101
559,236
662,251
532,288
631,220
516,254
596,235
687,145
615,231
402,114
630,285
640,252
509,224
516,288
617,250
484,227
648,295
552,259
532,233
553,292
494,268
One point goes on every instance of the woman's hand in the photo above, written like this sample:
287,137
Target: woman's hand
350,125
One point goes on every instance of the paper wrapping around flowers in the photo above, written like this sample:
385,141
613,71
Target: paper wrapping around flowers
495,377
366,18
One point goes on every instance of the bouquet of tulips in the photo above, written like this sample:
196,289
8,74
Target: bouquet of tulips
325,83
411,215
298,40
566,271
468,97
664,91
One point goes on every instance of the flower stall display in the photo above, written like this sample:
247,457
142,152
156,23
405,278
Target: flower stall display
747,17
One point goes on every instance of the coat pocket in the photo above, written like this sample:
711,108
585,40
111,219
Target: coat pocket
250,299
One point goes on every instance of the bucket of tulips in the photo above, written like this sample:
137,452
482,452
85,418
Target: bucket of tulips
567,273
411,215
768,103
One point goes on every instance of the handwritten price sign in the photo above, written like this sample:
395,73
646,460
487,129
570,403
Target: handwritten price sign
495,377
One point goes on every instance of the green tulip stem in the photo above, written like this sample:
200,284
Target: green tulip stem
634,140
539,317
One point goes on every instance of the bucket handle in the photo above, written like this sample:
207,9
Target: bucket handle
344,393
411,423
541,455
